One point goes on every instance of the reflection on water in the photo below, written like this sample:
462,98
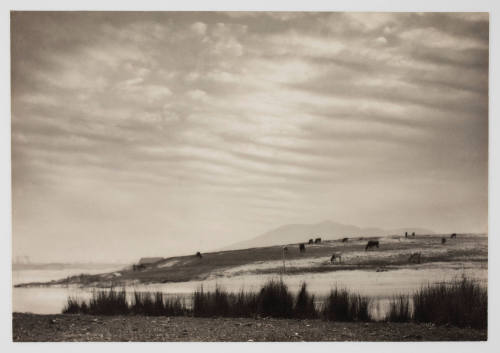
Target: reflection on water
380,286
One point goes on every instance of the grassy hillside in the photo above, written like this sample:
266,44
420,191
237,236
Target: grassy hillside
394,252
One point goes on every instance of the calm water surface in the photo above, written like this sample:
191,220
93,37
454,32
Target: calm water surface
380,286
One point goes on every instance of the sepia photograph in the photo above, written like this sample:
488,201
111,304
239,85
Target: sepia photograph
249,176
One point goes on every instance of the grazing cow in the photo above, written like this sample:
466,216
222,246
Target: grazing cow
198,255
336,256
311,241
302,247
345,240
415,258
454,235
371,244
317,240
443,240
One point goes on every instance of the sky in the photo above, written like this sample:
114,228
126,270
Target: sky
162,133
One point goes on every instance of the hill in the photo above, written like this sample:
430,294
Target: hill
297,233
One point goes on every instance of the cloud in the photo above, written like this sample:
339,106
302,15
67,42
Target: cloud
199,28
180,122
197,94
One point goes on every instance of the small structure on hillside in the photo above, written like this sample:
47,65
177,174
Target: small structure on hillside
311,241
317,240
454,235
139,267
345,240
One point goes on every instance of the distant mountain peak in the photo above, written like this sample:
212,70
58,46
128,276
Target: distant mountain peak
327,229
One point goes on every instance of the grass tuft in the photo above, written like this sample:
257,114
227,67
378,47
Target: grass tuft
399,309
304,304
75,306
275,300
110,302
461,302
341,305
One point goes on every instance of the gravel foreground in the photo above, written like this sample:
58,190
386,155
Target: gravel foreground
83,328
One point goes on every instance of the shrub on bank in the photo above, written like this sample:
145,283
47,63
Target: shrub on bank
399,309
111,302
304,304
462,302
275,300
341,305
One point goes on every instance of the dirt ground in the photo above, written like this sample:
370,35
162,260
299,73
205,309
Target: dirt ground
48,328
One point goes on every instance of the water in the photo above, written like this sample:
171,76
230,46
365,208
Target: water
28,276
380,286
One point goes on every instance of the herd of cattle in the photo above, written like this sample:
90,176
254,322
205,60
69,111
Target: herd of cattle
371,244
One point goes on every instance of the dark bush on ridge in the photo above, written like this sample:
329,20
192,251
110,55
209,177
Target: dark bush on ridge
399,309
304,304
462,302
275,300
341,305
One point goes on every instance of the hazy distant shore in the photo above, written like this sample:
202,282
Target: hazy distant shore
49,328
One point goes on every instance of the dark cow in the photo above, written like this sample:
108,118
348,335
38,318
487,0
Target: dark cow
371,244
454,235
317,240
443,240
198,255
336,256
311,241
345,240
302,247
415,258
